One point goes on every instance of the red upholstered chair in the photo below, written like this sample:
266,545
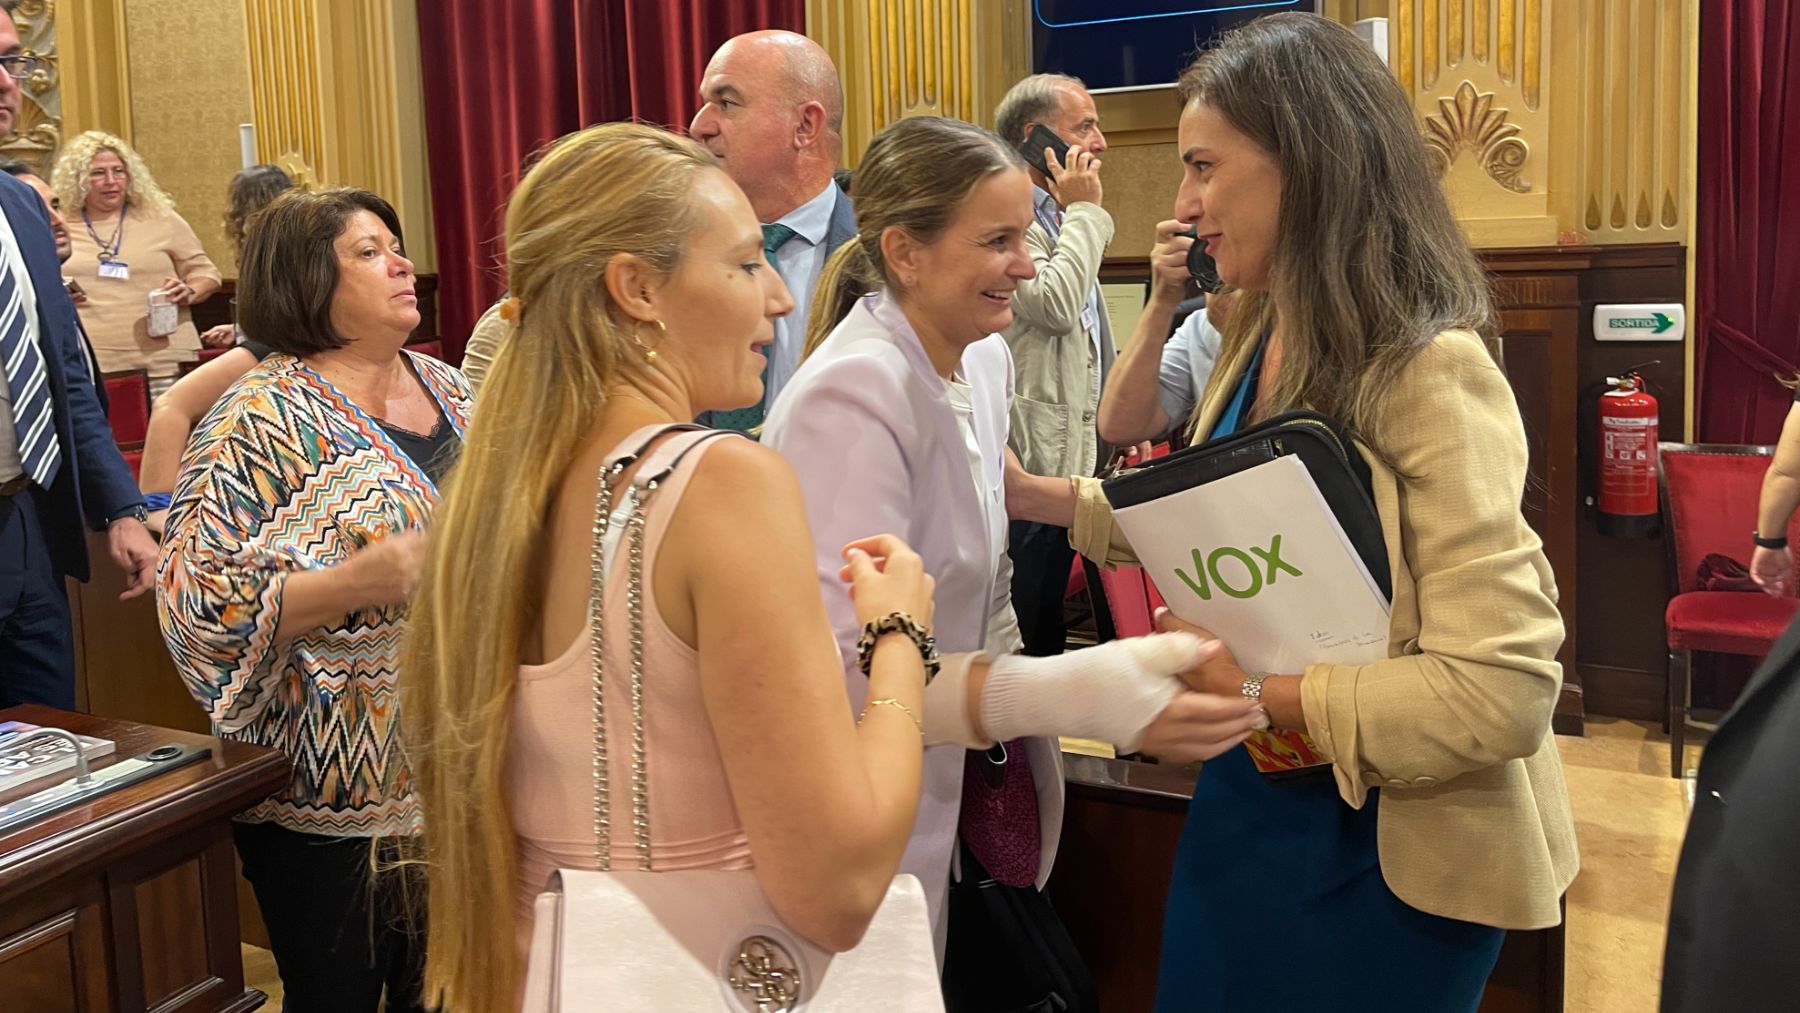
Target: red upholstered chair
1709,497
208,354
133,453
128,404
433,348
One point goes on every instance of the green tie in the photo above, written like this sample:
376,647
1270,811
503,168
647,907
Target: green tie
773,237
746,419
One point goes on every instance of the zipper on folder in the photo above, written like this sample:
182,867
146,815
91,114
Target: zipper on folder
1327,430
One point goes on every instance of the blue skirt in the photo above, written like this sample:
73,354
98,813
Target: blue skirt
1277,903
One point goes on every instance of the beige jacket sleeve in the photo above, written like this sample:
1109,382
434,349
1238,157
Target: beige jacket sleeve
186,253
1094,534
484,341
1067,269
1475,626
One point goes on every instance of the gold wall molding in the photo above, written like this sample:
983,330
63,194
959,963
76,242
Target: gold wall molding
37,129
339,101
1477,72
920,57
1627,139
94,74
1595,91
1469,121
94,67
1597,94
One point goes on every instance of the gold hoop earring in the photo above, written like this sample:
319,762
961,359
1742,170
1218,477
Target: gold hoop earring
650,353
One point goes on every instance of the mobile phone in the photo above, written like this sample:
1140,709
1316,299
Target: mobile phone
1200,264
1042,137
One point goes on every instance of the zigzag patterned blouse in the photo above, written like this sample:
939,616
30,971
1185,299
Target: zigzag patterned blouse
286,474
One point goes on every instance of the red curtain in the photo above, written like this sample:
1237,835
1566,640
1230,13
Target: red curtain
504,77
1747,256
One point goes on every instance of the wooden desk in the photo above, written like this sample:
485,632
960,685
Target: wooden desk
1120,829
129,902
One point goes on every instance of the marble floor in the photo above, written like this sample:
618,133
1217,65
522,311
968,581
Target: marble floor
1629,817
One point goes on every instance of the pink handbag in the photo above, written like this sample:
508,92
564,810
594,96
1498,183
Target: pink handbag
697,940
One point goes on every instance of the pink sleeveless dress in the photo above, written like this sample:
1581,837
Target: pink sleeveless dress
549,778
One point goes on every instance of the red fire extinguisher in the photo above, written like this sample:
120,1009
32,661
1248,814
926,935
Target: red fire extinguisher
1627,495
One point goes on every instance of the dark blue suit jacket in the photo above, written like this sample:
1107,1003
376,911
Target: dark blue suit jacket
94,482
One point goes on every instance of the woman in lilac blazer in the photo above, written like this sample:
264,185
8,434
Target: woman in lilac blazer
897,422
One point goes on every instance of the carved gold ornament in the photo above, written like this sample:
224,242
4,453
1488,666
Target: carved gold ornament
1469,120
37,129
766,974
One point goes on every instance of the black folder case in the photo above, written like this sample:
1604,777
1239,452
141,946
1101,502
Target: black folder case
1323,445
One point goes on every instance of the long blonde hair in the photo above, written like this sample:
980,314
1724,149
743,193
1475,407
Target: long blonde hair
1371,263
914,176
70,176
605,191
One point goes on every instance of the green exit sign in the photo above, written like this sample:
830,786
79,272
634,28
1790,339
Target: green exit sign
1640,322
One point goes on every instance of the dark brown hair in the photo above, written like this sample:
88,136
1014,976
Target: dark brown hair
251,190
1370,264
289,270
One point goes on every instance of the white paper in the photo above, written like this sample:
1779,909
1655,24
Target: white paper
1260,560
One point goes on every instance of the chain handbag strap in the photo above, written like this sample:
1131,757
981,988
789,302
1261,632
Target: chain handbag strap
638,492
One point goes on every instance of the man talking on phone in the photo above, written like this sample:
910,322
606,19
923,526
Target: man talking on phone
1060,338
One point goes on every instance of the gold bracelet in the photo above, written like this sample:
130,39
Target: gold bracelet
891,702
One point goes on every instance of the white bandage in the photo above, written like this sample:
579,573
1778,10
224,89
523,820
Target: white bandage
947,720
1111,692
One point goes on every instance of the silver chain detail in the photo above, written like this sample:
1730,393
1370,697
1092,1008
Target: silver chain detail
639,501
597,632
640,788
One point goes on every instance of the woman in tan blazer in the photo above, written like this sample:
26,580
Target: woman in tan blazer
1387,884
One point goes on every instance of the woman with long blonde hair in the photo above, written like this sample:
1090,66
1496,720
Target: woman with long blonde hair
626,325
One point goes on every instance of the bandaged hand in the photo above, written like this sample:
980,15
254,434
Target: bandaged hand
1112,692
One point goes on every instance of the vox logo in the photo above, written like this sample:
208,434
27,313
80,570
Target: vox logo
1254,570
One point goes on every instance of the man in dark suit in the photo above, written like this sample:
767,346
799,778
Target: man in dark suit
59,230
772,109
58,463
1734,924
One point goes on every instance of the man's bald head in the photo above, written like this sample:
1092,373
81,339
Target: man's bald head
772,111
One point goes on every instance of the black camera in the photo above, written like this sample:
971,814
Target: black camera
1200,263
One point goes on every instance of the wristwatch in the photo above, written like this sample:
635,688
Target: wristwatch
136,511
1779,542
1252,687
897,622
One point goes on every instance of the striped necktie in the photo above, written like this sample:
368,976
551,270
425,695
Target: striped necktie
29,382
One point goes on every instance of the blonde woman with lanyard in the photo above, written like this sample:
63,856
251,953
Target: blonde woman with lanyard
132,246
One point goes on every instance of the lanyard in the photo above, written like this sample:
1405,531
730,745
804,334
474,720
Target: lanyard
108,250
1237,412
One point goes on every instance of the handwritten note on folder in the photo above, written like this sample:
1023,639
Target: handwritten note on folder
1259,559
